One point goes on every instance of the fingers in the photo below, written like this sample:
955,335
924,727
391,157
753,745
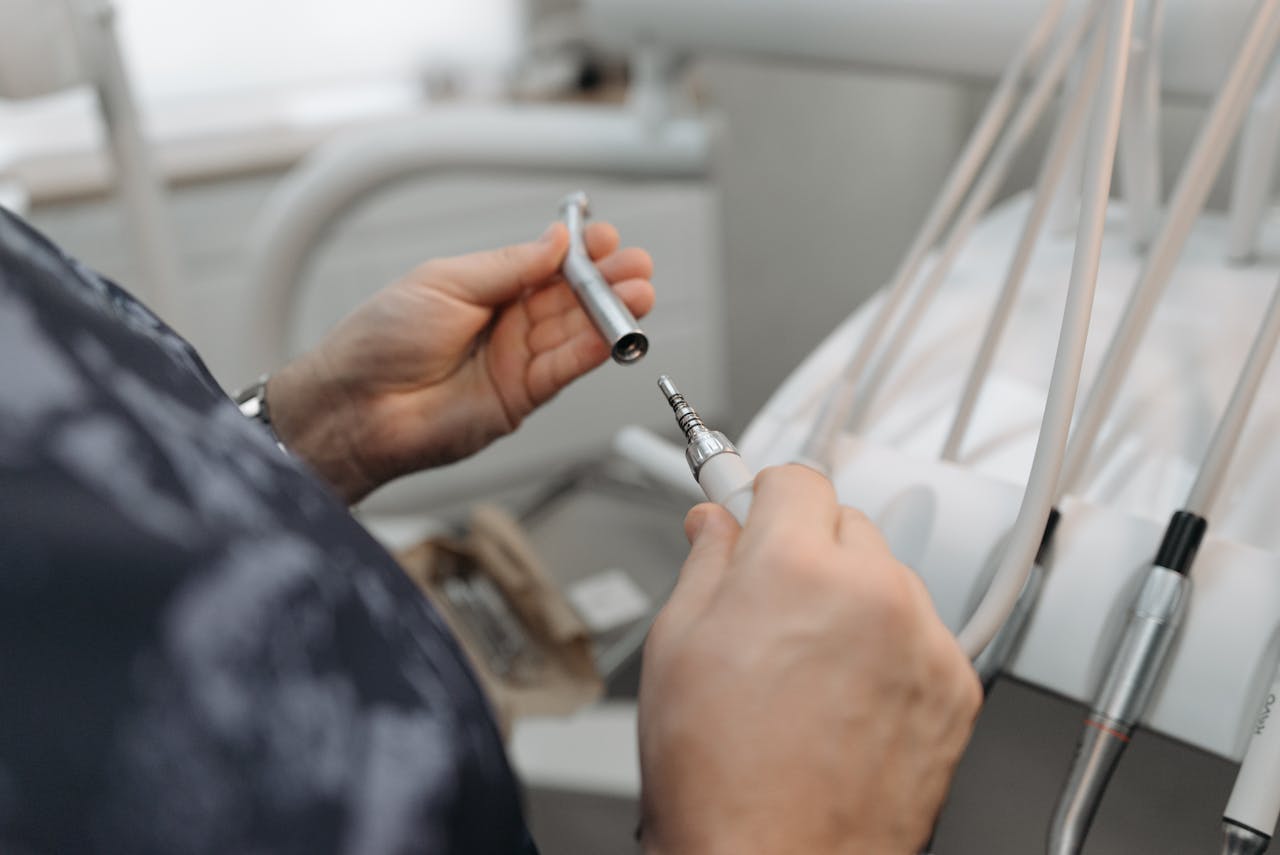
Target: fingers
496,276
566,347
557,297
712,534
602,239
551,332
855,531
793,500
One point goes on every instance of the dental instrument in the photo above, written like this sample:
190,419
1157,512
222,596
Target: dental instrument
1156,614
1254,805
836,407
1189,196
610,316
712,458
981,197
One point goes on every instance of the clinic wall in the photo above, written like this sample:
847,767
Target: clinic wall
824,176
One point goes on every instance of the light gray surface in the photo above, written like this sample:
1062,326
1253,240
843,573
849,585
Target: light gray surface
825,178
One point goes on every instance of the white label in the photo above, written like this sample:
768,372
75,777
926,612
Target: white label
608,599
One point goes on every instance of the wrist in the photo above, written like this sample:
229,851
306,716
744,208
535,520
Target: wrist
314,418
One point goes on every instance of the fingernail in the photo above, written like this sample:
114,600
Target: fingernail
546,235
694,524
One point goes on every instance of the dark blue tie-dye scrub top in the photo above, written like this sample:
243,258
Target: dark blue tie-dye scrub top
200,650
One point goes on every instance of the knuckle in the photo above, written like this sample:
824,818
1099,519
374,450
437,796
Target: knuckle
896,599
788,547
854,517
952,670
431,270
510,256
970,692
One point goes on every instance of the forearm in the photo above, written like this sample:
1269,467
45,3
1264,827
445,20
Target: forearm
312,417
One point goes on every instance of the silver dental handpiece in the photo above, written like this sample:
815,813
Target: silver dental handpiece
610,316
714,462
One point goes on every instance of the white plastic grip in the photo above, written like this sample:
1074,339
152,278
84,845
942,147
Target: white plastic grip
1255,799
726,480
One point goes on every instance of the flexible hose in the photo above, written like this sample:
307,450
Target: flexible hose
1051,171
983,195
1188,200
1040,493
835,410
1226,436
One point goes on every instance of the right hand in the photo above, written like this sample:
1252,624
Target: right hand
799,693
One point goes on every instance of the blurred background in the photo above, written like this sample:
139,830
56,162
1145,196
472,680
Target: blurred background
778,195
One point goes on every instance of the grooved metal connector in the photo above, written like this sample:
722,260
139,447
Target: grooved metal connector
704,443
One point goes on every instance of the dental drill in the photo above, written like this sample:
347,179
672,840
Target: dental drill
610,316
713,460
1156,615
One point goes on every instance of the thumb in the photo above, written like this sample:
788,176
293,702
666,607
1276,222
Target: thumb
496,276
712,534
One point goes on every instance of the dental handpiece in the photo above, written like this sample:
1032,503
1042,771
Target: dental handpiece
714,462
1131,678
1254,805
610,316
1156,615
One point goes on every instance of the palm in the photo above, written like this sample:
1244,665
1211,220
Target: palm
450,357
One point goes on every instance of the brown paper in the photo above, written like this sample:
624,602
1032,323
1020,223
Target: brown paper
560,675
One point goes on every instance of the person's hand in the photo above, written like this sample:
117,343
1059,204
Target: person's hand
447,359
798,693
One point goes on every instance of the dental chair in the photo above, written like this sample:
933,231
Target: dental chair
943,518
49,46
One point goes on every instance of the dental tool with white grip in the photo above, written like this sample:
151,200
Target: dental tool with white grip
1156,613
1254,806
713,460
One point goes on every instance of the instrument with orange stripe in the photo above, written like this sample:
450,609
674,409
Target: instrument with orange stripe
1156,614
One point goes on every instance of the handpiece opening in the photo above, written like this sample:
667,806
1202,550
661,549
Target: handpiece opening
630,348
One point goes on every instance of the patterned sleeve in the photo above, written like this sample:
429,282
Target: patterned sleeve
200,650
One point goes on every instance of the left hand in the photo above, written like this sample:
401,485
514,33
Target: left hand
452,356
